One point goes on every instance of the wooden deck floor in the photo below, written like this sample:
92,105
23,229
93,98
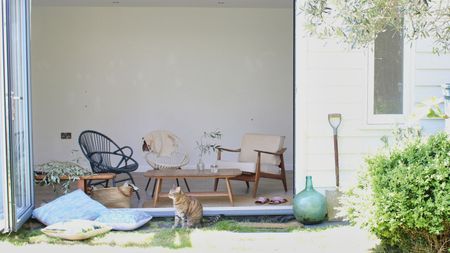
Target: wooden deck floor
267,188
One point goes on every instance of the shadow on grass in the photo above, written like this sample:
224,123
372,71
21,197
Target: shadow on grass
253,227
385,248
25,236
232,226
158,233
19,238
167,238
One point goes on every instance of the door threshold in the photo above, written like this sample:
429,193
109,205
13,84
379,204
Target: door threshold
227,211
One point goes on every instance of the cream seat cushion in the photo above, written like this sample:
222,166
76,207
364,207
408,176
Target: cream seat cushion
270,143
248,166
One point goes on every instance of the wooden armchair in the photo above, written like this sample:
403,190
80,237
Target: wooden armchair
260,156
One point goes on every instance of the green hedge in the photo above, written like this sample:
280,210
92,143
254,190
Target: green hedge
404,195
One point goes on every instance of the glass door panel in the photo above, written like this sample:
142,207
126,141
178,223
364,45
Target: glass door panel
3,127
2,199
19,98
19,101
17,165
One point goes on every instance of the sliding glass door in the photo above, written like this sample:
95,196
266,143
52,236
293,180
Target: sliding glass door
3,127
17,166
2,190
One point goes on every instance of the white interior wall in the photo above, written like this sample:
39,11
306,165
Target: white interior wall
126,71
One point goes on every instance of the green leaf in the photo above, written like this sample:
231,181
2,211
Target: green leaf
403,194
55,169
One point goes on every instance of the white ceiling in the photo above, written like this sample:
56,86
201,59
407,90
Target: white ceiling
184,3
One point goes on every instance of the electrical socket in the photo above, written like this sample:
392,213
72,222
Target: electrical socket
66,135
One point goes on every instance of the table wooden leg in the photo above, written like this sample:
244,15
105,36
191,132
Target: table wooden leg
157,191
230,193
81,184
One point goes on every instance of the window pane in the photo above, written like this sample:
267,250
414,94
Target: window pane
388,83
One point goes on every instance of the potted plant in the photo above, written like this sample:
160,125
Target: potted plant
206,144
53,171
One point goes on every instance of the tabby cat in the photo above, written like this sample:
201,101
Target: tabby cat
188,210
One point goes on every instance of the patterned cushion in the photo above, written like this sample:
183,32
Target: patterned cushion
76,229
74,205
270,143
124,219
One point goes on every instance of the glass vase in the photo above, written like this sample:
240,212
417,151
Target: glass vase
214,168
310,207
200,164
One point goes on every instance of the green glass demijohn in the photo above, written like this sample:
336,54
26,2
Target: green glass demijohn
310,207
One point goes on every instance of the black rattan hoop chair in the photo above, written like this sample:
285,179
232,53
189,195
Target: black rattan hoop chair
105,156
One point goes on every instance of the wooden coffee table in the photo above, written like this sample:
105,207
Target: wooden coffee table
226,174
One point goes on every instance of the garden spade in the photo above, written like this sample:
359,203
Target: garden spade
335,119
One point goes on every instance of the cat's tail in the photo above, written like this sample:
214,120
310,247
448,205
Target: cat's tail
211,220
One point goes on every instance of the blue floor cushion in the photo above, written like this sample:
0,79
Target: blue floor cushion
124,219
74,205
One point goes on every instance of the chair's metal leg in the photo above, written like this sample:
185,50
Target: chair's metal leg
154,187
178,183
187,186
132,181
106,184
216,183
138,196
248,185
148,183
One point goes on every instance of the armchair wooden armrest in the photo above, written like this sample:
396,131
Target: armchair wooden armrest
220,149
229,149
279,152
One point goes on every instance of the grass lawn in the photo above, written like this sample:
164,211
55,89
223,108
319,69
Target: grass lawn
223,236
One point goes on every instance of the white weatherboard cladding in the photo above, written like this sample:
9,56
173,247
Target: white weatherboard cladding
431,72
332,79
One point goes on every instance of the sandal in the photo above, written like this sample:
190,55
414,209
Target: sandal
262,200
277,200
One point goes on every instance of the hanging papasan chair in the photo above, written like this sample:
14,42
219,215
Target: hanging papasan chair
163,150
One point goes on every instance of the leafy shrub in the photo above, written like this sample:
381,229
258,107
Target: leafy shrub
404,195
